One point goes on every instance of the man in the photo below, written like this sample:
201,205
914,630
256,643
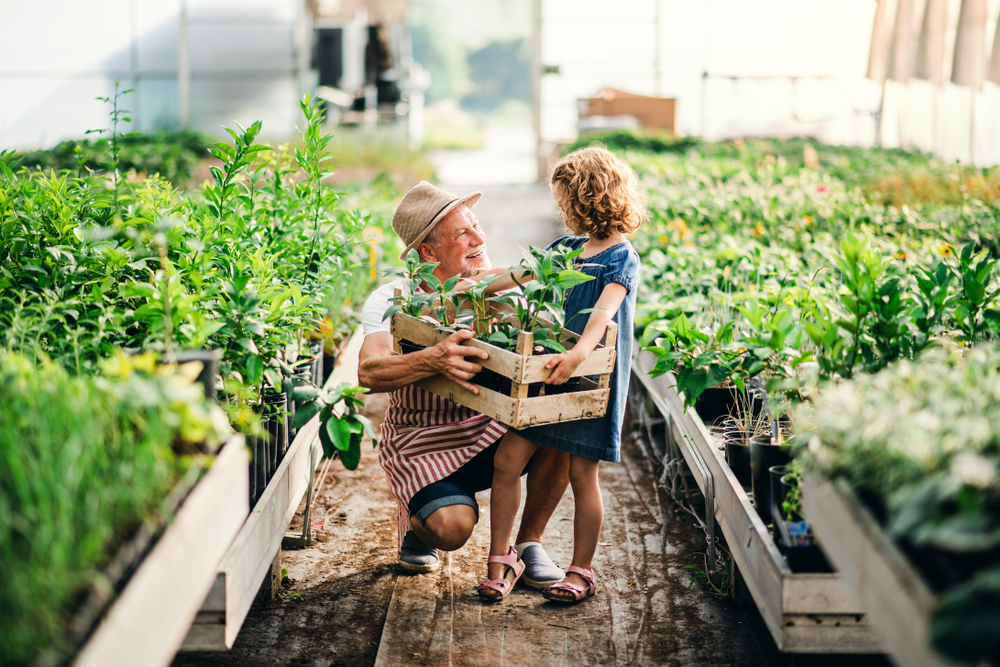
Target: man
437,454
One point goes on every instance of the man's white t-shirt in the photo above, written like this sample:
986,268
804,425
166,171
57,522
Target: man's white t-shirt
377,304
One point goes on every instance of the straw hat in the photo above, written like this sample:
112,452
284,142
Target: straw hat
423,207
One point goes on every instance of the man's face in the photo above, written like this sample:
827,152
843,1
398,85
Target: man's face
458,244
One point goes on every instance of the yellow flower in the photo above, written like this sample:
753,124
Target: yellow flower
664,240
758,230
808,219
946,250
678,225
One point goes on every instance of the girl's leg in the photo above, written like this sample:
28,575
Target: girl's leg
512,456
588,518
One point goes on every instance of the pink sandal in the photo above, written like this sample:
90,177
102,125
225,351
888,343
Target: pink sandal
579,594
494,590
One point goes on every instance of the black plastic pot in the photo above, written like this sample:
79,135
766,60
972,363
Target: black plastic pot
763,456
329,363
316,351
209,370
276,410
778,491
801,555
716,403
737,447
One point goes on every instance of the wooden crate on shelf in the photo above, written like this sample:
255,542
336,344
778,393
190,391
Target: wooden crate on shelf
525,372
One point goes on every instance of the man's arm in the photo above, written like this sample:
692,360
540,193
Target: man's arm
382,371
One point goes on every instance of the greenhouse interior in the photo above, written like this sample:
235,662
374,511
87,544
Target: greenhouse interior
307,308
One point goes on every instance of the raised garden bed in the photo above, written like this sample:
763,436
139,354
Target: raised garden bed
524,373
147,622
805,612
895,596
248,559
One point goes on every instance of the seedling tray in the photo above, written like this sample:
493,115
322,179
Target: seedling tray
523,369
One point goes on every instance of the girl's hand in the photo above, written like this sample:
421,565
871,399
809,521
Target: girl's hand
562,366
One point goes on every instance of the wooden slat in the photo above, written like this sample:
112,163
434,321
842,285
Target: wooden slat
508,364
490,403
148,622
561,407
601,360
521,413
894,594
409,328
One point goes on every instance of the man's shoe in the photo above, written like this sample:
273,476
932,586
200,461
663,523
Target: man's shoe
417,557
539,570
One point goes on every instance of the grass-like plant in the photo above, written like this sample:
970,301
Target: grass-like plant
83,462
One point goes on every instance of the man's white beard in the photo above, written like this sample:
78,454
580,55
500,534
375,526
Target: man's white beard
468,270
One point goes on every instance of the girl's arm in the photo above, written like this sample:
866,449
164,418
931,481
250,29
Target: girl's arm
563,365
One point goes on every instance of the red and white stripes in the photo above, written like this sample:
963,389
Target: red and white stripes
425,438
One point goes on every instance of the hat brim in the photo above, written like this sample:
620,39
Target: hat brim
468,200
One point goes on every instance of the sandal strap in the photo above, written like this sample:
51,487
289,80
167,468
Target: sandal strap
510,560
498,585
588,576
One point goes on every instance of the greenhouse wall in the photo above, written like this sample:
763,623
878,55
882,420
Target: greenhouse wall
782,67
248,61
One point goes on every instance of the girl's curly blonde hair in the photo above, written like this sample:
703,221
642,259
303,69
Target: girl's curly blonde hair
601,193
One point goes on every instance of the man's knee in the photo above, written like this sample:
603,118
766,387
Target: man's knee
447,528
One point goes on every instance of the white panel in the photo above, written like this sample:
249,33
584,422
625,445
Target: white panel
64,36
222,103
241,48
953,123
156,105
157,26
611,45
41,112
573,11
241,11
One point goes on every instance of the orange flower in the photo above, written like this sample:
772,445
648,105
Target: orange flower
901,255
808,219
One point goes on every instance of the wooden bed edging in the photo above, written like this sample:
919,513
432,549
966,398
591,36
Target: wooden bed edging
147,623
898,600
805,613
248,559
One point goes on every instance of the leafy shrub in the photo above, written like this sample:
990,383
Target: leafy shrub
173,155
921,440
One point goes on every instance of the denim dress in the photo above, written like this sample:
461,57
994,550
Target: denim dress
598,438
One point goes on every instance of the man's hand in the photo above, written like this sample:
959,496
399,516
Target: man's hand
563,366
457,361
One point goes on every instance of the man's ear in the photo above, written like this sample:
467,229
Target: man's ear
426,252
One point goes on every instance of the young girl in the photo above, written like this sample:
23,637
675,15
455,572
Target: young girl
600,202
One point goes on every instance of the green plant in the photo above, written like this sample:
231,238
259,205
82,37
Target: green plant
918,440
85,461
340,430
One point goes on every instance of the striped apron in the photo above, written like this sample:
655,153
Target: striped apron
425,438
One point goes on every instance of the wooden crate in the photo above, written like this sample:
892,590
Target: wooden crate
522,368
151,616
806,613
895,596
